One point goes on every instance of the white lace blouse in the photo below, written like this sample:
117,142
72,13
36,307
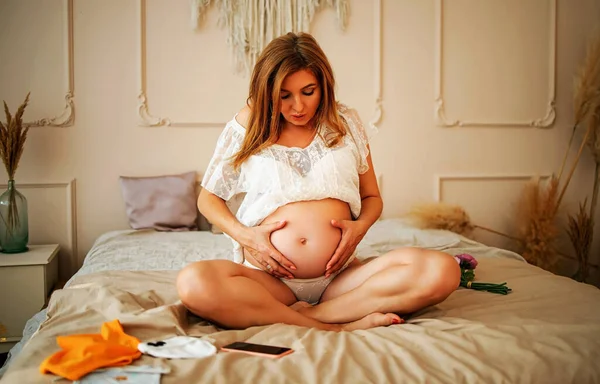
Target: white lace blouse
279,175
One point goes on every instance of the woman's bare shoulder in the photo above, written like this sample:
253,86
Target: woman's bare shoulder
243,116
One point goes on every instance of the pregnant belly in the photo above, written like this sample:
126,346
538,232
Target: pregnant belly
308,240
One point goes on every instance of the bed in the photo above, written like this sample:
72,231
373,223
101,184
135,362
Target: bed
547,330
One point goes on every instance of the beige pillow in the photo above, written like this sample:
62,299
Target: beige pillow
163,203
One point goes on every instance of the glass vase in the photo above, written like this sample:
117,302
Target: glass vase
14,225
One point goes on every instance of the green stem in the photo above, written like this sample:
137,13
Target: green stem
595,193
564,162
488,287
585,265
577,157
12,220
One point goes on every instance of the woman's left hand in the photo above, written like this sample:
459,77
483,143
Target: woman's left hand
352,234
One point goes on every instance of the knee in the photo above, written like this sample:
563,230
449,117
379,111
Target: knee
441,275
197,284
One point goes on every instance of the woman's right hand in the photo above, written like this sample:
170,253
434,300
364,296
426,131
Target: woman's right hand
259,247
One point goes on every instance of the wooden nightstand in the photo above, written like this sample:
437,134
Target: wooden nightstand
26,281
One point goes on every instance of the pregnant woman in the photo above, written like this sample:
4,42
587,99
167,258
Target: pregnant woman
302,163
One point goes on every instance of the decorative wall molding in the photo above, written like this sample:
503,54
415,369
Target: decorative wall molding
70,215
67,116
440,179
147,119
440,114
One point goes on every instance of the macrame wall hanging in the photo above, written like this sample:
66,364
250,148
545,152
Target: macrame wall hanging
252,24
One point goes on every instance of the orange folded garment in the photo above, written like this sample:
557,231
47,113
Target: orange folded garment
82,354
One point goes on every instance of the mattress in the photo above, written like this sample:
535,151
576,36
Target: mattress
547,330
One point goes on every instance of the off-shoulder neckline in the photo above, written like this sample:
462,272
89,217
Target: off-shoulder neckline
275,145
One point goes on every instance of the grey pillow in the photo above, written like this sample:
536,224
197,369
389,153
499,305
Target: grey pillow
163,203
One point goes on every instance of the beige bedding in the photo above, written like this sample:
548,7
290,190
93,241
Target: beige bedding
546,331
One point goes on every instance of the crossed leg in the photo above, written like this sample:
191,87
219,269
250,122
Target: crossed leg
235,296
362,296
401,281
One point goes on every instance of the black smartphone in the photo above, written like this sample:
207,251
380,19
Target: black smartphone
258,349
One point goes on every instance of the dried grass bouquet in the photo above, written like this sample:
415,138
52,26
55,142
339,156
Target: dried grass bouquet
13,205
586,104
13,135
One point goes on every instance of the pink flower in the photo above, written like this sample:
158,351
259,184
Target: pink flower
466,261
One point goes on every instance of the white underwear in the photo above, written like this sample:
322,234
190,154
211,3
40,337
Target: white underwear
309,290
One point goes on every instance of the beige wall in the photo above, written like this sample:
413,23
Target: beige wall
494,66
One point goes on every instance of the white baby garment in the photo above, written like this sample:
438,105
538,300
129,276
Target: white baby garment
178,347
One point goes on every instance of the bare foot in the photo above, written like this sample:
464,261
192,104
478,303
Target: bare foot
373,320
299,305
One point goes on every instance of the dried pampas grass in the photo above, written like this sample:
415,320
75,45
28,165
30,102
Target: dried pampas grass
580,231
594,146
587,81
13,135
593,123
449,217
586,105
586,100
442,216
537,222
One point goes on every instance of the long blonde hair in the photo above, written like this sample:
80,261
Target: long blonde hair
283,56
